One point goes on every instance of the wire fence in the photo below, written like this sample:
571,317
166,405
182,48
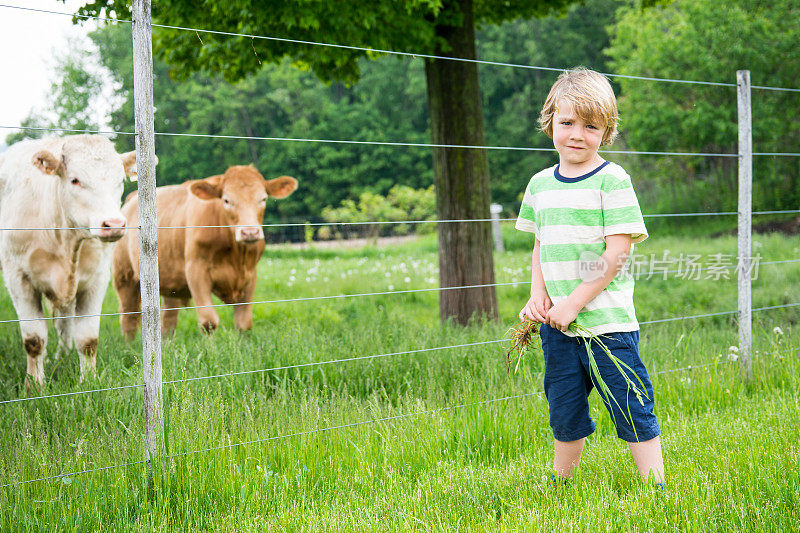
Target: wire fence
383,222
386,51
359,358
318,431
367,294
427,145
718,271
393,143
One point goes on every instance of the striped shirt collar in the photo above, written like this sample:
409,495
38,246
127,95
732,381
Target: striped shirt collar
562,179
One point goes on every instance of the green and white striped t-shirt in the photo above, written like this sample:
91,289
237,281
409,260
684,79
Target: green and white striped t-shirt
571,218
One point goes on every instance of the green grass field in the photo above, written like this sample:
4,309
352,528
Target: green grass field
451,460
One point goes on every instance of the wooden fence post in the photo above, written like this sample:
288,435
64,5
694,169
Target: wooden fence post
148,242
745,221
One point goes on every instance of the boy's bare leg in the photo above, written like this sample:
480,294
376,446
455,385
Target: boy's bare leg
568,457
648,459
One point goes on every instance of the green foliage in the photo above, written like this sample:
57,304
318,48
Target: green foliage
697,40
34,120
388,104
400,204
683,39
403,25
72,98
281,101
479,467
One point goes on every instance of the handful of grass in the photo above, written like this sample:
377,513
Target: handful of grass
522,335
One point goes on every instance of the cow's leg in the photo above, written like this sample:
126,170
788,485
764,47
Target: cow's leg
28,305
126,285
169,319
243,311
130,304
64,328
199,281
86,328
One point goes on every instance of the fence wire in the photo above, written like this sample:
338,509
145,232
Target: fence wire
332,361
66,130
350,359
344,426
258,371
426,145
392,52
384,222
73,393
650,275
390,143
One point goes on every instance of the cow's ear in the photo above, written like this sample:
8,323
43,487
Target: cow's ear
205,190
281,187
48,163
129,164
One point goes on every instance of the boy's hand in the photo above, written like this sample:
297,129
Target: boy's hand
537,306
561,315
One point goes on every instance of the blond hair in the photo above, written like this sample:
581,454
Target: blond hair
591,97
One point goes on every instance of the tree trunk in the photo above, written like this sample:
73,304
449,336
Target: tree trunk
462,174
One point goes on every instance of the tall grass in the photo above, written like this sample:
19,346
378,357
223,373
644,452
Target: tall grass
731,456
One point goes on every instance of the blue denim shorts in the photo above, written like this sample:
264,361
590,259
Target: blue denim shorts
568,382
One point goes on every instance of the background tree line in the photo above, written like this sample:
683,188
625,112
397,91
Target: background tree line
686,39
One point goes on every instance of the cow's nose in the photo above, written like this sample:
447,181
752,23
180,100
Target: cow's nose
112,229
113,223
250,233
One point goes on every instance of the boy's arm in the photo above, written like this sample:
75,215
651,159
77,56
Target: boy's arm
539,303
610,263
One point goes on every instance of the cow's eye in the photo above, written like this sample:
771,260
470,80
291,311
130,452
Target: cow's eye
75,181
227,202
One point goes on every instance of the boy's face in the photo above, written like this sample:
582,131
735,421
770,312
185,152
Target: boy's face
576,141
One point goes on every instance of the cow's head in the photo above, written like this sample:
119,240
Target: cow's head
90,174
243,193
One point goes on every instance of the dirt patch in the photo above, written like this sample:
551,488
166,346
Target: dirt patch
789,227
348,243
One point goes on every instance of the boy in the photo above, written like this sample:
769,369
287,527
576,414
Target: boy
585,218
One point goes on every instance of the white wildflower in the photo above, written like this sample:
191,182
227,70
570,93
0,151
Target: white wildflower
732,357
407,279
733,349
777,331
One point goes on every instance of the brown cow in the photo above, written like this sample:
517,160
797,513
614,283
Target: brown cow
196,262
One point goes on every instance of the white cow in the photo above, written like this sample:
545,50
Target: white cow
72,182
